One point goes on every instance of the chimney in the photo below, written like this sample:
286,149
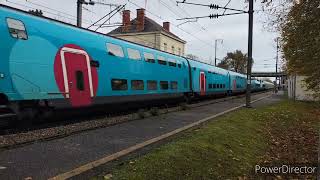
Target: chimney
125,20
140,19
166,26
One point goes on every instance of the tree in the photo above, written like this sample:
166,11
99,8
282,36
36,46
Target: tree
235,61
301,42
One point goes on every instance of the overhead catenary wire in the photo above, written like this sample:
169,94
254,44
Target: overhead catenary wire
208,44
60,13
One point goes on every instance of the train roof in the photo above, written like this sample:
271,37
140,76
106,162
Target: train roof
206,66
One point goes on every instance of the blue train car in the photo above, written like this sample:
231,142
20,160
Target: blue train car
207,79
237,82
49,64
52,64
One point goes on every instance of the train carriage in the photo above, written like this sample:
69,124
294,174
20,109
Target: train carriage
47,64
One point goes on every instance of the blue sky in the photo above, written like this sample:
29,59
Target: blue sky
199,35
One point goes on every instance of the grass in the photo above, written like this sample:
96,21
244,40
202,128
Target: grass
230,147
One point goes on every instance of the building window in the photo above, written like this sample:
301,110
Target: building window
17,29
179,51
80,81
149,57
162,60
173,50
152,85
164,85
174,85
114,50
137,85
165,47
134,54
119,84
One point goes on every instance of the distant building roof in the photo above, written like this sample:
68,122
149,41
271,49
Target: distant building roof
149,26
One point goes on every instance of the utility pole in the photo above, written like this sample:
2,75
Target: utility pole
215,53
79,10
249,63
215,50
277,58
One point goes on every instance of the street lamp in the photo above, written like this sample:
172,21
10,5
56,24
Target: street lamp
215,50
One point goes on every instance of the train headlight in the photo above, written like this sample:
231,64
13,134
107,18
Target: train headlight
1,75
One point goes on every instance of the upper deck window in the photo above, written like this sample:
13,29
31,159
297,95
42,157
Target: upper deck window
17,29
134,54
162,60
149,57
115,50
172,63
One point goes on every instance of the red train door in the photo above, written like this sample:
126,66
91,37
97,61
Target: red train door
202,83
77,76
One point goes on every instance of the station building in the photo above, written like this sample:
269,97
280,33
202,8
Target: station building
145,31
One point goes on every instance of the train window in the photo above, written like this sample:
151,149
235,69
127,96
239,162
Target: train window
194,68
149,57
179,65
17,29
210,86
172,63
152,85
164,85
80,81
224,86
174,85
115,50
134,54
161,60
214,86
137,85
119,84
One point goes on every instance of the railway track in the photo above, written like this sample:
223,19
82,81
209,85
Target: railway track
64,124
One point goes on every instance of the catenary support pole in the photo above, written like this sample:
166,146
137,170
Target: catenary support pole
79,13
249,63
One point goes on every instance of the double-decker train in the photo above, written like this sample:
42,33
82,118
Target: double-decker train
47,64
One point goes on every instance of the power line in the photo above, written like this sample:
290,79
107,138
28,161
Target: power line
70,16
172,24
183,10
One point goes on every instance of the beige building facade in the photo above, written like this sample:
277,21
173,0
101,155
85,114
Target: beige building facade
297,89
145,31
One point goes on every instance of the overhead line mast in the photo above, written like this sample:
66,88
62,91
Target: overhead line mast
250,35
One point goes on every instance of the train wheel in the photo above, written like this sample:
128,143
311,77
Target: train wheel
187,99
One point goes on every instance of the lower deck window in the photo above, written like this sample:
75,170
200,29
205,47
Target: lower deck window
210,86
119,84
174,85
137,85
152,85
164,85
214,86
